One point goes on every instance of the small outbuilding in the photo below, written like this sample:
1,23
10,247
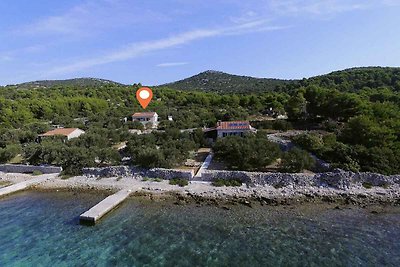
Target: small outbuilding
68,133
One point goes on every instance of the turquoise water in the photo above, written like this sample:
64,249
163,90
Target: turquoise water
42,229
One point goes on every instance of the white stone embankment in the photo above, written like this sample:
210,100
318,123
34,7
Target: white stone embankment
200,191
22,184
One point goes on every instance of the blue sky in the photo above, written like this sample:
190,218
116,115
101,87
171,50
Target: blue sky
154,42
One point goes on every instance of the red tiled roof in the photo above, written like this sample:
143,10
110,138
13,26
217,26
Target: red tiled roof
60,131
233,125
143,114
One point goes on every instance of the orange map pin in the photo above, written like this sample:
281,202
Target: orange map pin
144,96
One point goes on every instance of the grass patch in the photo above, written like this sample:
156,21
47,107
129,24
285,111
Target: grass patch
385,186
4,183
65,176
147,179
226,182
179,181
17,159
367,185
36,173
278,186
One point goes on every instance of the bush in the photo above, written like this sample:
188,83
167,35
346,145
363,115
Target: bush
252,152
367,185
226,182
179,181
282,125
296,160
9,152
36,173
310,142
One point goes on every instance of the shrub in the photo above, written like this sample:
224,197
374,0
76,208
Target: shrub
9,152
252,152
296,160
282,125
226,182
178,181
36,173
65,176
367,185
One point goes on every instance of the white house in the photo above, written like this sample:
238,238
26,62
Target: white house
146,117
229,128
68,133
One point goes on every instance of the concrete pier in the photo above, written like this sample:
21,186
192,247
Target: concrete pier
204,166
102,208
24,185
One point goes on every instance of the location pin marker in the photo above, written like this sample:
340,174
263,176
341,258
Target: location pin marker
144,96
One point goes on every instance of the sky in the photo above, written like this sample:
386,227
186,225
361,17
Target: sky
155,42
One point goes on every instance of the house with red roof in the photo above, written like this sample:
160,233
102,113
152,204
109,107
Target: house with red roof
230,128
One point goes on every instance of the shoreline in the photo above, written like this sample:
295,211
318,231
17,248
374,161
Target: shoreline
205,193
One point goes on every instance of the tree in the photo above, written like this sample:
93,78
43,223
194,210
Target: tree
296,160
296,107
246,153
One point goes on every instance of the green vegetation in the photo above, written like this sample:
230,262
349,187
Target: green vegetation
217,81
36,173
367,185
226,182
179,181
357,111
65,176
253,152
147,179
296,160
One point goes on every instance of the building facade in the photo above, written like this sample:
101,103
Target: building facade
68,133
146,118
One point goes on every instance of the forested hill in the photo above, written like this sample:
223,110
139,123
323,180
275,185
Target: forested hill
81,82
217,81
349,80
356,79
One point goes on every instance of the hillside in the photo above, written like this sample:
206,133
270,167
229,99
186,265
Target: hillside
84,82
217,81
348,80
355,79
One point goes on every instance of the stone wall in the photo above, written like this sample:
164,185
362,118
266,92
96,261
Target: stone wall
338,179
168,174
113,171
15,168
126,171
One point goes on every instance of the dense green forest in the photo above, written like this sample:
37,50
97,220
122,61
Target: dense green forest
350,80
216,81
357,113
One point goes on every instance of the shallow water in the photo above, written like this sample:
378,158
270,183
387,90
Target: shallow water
42,229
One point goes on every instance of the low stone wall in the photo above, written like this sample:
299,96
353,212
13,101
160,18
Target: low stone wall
15,168
113,171
338,179
126,171
168,174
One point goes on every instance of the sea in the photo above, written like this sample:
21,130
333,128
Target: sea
42,229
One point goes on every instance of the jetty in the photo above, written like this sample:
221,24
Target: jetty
25,184
102,208
204,166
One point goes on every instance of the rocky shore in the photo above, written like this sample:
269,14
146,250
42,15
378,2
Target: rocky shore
206,193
